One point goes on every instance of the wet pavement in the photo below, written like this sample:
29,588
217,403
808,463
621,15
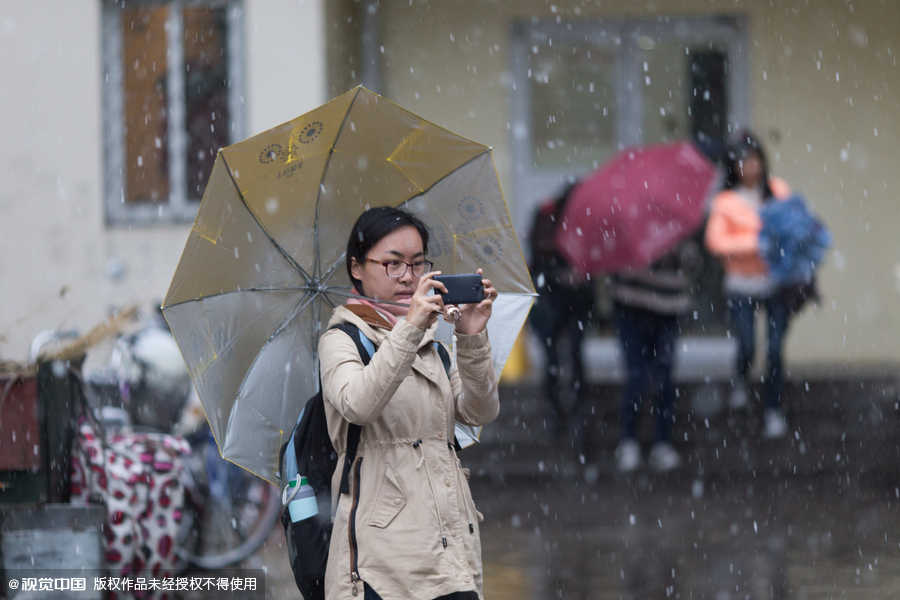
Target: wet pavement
814,515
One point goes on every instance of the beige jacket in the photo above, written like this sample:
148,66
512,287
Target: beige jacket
409,527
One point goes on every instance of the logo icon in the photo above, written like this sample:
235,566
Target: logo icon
471,209
270,153
487,249
310,133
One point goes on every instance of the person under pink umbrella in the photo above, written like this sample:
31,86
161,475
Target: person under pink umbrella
647,306
636,208
632,219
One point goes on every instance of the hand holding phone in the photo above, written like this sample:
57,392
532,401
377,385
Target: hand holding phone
465,288
475,296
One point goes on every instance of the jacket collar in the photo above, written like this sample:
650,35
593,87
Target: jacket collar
369,316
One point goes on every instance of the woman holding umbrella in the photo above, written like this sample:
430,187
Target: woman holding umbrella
732,234
409,527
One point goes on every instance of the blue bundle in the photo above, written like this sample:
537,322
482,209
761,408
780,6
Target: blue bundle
793,241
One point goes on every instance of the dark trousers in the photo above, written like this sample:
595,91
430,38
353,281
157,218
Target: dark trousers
648,345
742,311
371,595
556,320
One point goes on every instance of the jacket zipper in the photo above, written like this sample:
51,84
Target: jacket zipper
354,550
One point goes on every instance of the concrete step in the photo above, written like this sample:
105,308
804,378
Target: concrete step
847,428
697,359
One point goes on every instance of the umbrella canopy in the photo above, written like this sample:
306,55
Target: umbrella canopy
264,265
635,208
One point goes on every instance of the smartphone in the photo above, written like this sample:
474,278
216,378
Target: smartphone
465,288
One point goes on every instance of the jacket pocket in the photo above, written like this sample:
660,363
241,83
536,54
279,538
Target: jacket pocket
467,473
389,500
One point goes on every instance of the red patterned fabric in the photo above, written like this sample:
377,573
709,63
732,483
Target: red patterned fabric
138,478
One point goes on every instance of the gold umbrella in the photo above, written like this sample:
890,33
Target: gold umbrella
264,263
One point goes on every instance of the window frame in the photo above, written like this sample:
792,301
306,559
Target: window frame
532,186
178,208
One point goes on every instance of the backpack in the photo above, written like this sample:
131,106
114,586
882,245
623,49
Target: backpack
309,453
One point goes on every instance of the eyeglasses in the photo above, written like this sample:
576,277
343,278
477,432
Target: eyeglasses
397,268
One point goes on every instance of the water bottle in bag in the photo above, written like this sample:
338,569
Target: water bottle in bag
300,499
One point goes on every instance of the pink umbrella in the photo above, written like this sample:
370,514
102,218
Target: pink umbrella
635,208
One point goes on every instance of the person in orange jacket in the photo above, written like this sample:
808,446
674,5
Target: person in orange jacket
732,235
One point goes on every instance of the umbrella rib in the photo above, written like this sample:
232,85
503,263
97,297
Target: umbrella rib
329,301
281,250
250,289
322,182
304,302
333,268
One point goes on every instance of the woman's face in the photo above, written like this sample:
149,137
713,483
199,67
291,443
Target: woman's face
750,169
403,244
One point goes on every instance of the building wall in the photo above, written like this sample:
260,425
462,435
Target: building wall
823,92
54,247
823,87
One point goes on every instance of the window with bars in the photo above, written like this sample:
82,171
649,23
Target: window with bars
173,97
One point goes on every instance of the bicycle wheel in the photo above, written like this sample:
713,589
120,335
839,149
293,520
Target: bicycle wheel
230,512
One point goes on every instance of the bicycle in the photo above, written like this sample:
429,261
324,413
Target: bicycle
222,492
228,512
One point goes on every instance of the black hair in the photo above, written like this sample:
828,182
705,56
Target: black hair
371,227
739,148
563,198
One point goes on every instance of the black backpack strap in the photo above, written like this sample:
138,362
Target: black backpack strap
445,357
445,360
353,430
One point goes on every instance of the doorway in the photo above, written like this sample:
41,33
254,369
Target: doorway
584,90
